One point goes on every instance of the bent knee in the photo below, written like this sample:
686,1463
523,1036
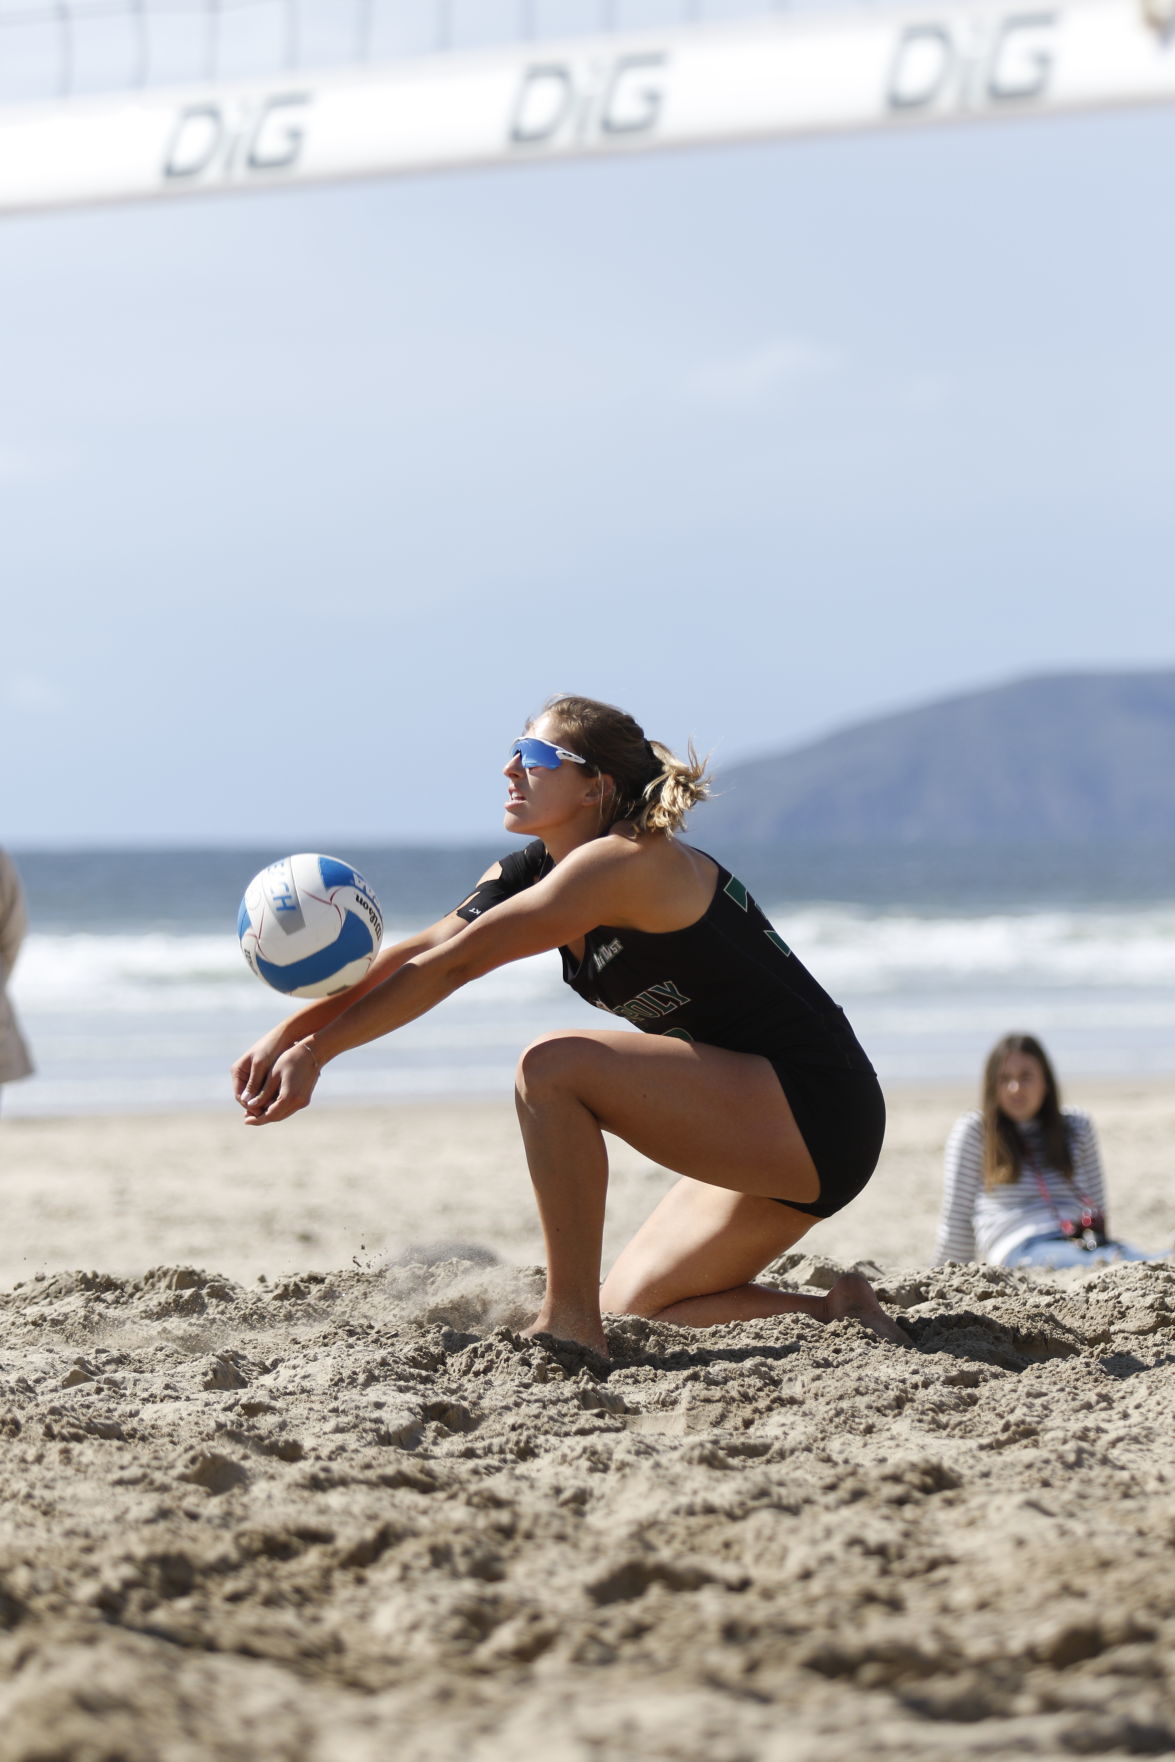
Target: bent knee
551,1062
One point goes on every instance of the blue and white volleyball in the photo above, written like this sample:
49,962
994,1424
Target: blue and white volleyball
309,925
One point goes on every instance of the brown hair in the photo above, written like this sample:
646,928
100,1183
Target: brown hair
1003,1153
653,788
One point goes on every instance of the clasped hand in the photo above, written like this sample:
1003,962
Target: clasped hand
270,1088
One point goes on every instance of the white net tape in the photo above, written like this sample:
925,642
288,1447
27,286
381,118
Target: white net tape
108,100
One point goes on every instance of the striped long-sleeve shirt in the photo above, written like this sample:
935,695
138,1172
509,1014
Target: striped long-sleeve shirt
979,1223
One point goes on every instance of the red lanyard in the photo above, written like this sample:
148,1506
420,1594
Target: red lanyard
1091,1217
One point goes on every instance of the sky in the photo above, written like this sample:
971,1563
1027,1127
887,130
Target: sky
309,499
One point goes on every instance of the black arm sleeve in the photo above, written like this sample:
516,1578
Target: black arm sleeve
521,869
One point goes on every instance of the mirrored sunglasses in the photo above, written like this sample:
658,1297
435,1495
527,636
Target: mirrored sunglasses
542,754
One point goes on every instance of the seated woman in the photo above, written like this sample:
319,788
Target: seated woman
1023,1179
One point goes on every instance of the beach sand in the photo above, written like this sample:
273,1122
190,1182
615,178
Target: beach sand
280,1480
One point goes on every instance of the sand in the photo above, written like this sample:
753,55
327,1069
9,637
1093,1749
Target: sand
281,1480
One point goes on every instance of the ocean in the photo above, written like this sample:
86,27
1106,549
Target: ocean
134,996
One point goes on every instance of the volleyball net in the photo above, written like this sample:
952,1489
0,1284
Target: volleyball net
108,100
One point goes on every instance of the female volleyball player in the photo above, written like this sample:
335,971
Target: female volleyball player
747,1080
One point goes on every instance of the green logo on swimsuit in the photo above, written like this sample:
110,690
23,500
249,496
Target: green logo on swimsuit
677,1034
742,898
737,892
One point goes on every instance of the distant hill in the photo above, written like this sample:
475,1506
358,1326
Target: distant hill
1073,757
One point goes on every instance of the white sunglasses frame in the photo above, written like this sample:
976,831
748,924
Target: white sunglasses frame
561,753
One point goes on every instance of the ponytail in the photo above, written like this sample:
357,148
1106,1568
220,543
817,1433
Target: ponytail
678,786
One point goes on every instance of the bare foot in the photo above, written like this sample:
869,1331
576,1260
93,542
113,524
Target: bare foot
853,1296
569,1331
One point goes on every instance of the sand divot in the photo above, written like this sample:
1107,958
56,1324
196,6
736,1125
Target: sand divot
215,1472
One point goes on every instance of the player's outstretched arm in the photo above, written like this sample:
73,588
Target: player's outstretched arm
251,1071
593,885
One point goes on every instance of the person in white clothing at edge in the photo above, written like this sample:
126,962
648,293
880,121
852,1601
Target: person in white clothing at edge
1023,1182
14,1054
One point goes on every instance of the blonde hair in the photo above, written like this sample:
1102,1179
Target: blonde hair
652,787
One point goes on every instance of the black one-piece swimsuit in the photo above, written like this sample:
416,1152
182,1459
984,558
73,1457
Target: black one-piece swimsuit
731,980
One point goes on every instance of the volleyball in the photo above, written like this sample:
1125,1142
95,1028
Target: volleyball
309,925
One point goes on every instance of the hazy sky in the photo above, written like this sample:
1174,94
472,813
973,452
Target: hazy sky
306,500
